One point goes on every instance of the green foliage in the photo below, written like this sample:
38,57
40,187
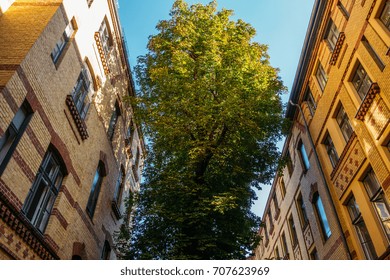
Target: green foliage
210,104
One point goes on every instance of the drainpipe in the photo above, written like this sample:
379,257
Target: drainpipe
333,208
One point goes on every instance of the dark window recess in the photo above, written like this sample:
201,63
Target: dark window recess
43,193
286,255
344,124
10,139
290,166
322,79
321,215
385,15
331,150
361,229
95,189
314,254
310,102
373,54
361,81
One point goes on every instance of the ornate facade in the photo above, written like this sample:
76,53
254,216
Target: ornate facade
70,150
332,200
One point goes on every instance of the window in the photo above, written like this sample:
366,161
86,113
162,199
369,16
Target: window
44,191
373,54
80,93
331,150
106,251
302,212
332,35
89,2
321,215
321,77
276,203
361,229
343,10
385,15
62,42
303,155
344,124
114,118
378,200
10,139
314,254
130,132
277,255
290,166
95,189
119,187
266,239
284,247
293,231
361,81
105,37
310,102
271,223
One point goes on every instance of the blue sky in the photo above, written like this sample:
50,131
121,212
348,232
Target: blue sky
280,24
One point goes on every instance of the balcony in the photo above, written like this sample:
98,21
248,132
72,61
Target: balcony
102,54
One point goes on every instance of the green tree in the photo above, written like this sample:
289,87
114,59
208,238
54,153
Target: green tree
210,104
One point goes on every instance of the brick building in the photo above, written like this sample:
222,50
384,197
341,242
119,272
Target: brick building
332,200
70,151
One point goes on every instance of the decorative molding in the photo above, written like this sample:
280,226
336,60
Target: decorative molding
80,124
337,48
308,236
368,100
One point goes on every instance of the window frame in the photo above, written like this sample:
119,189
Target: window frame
116,113
293,231
63,42
360,228
81,91
11,137
95,189
43,193
332,35
322,218
331,150
302,213
344,123
309,99
377,197
303,156
321,76
385,22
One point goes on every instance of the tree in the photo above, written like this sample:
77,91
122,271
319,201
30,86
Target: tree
210,104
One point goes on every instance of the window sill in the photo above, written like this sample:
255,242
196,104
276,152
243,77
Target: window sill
81,127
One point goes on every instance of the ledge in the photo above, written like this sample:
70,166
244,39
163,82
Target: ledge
81,127
368,100
337,48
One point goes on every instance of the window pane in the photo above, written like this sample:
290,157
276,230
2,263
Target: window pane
95,190
331,150
344,124
371,184
321,77
304,157
333,35
382,208
322,217
365,239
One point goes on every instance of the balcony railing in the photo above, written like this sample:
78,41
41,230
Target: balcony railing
101,53
337,48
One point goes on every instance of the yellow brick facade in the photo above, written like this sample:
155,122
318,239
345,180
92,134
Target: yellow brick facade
29,32
363,42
